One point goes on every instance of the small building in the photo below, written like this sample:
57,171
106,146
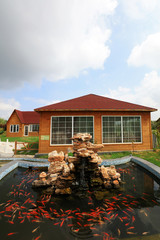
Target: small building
23,123
119,125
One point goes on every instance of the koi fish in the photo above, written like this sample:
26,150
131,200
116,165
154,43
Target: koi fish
22,221
130,228
34,230
62,223
75,230
11,222
57,223
145,233
133,219
37,237
9,234
131,233
119,232
70,217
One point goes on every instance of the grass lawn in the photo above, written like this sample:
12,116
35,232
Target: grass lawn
151,156
114,155
18,139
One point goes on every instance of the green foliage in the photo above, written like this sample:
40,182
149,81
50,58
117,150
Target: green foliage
154,125
3,121
157,134
70,154
1,130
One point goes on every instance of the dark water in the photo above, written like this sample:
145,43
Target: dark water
133,211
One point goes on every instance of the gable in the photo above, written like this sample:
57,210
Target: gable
26,117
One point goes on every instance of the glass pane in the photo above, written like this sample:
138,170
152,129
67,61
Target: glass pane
131,129
111,129
83,125
61,130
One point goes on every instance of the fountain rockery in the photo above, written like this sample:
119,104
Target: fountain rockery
80,172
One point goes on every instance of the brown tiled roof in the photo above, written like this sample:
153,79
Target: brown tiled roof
92,102
28,117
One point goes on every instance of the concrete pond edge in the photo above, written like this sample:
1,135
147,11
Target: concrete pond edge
38,162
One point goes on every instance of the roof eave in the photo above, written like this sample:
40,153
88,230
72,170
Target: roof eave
97,110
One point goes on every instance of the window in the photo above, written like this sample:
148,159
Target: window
131,129
14,128
83,125
63,128
121,129
34,128
112,130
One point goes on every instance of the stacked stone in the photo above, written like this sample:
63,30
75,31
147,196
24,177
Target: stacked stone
87,160
82,147
67,173
59,173
110,177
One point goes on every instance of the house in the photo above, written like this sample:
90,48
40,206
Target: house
119,125
23,123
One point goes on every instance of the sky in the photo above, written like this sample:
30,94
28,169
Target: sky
52,51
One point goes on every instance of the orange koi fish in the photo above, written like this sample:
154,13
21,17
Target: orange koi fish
62,223
9,234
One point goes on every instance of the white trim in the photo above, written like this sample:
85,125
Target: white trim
30,129
17,126
24,130
122,128
72,127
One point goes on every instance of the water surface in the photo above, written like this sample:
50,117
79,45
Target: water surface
133,211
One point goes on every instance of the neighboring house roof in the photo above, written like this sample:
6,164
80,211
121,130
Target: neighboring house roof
92,102
28,117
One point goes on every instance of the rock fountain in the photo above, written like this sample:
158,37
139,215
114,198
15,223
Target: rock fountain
80,172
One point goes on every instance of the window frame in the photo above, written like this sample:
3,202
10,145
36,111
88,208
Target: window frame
12,126
54,144
31,128
121,116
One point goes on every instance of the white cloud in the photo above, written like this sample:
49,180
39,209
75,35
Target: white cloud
139,9
147,53
7,106
146,94
52,39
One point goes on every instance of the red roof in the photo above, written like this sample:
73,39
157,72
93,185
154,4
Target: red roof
92,102
28,117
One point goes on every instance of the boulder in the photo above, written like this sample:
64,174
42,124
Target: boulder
55,156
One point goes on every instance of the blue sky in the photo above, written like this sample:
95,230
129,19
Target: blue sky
52,51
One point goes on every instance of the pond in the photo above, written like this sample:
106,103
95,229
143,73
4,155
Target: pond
130,212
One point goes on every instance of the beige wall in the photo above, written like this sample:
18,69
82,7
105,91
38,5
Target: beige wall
45,124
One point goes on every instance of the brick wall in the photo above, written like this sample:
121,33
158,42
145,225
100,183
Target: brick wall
14,120
45,124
